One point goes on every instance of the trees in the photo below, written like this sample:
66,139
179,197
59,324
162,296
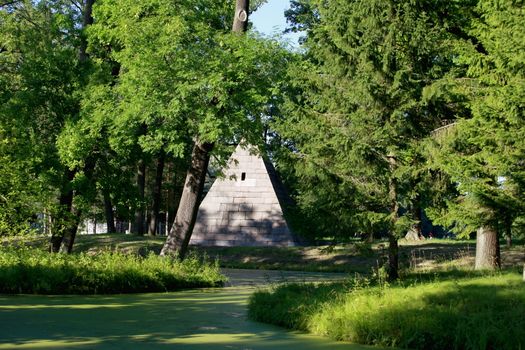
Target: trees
185,81
248,93
40,56
64,233
483,151
364,108
180,234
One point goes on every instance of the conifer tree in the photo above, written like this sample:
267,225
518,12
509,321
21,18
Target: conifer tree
365,107
483,151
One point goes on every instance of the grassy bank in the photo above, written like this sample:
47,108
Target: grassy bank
469,313
33,271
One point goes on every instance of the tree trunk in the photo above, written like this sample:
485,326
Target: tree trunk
157,196
393,249
180,233
70,232
63,215
240,20
141,185
108,208
487,249
87,19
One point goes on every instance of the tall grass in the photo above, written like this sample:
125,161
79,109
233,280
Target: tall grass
474,313
25,270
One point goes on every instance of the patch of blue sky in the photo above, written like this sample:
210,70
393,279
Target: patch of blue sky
269,20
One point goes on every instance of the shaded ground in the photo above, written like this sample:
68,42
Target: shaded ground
353,257
441,254
208,319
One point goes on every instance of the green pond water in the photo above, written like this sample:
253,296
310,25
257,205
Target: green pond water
196,319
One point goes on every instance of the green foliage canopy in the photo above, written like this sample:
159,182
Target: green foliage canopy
363,100
183,75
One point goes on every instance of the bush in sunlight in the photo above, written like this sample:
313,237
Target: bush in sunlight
473,313
25,270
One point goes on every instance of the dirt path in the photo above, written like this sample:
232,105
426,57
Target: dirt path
197,319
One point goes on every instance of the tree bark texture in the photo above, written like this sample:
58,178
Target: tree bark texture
393,249
240,20
487,249
180,233
108,209
141,185
157,196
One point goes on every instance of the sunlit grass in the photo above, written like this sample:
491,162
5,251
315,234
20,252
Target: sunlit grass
457,313
26,270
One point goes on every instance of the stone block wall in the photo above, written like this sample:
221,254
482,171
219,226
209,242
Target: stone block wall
244,207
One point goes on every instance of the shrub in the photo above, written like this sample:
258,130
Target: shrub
25,270
475,313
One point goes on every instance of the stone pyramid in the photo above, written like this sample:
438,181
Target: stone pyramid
245,208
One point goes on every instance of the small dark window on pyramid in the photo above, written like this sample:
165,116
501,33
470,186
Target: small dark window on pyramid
243,176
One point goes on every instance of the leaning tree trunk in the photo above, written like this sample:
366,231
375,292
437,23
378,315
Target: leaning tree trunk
393,248
70,232
180,233
487,249
157,196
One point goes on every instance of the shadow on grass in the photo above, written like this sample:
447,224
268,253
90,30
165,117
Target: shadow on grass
182,320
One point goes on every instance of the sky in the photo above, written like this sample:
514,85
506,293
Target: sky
269,19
